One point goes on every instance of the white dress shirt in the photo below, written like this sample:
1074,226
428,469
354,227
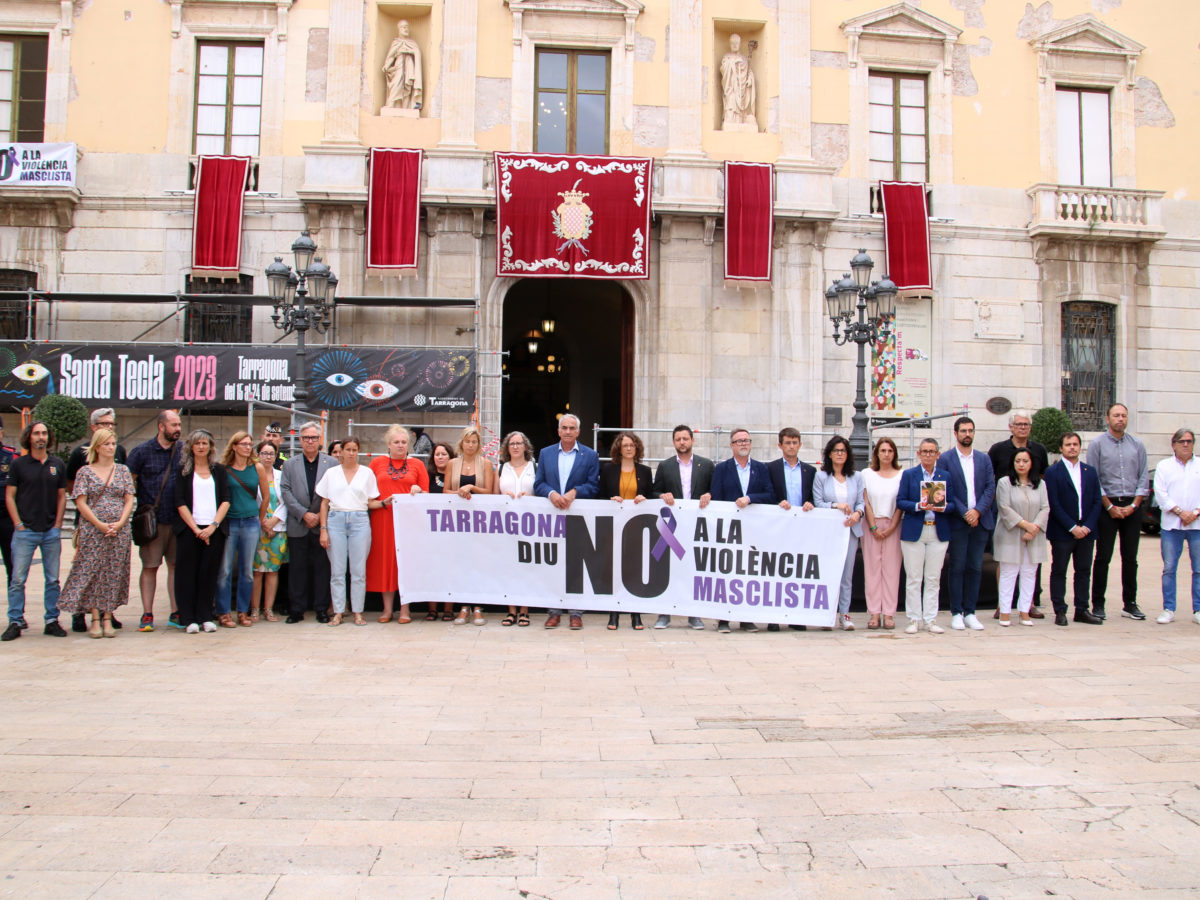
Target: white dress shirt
968,466
1177,485
1075,470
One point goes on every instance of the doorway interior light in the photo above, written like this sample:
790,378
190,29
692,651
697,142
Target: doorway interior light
548,326
532,345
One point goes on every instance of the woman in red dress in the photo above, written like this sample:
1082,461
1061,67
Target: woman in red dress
395,474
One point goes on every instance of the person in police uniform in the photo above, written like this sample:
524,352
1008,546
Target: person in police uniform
7,455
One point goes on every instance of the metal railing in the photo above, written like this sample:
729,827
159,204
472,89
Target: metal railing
912,424
293,432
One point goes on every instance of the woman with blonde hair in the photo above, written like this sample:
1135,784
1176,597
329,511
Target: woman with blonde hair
470,473
515,479
104,495
249,492
397,475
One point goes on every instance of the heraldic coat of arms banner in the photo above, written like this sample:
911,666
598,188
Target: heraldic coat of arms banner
572,216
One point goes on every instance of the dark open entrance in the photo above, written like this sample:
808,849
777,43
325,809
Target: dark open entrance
570,345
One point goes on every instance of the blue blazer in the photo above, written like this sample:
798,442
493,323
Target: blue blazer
1064,501
808,474
985,486
910,496
727,486
825,495
584,477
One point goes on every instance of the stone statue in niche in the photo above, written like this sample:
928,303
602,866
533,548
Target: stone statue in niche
737,89
405,89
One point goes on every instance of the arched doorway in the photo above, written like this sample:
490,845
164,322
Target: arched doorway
570,345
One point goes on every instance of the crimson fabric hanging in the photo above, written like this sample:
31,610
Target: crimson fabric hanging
393,211
217,222
749,220
906,234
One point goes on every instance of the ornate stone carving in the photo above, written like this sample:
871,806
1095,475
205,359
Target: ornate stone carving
402,67
737,89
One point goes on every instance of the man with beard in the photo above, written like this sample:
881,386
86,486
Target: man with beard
972,489
36,497
687,477
154,465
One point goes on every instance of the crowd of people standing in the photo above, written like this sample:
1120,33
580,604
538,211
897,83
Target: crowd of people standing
226,522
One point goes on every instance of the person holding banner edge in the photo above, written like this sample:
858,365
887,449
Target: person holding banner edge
792,481
741,480
566,472
396,474
470,473
514,479
688,477
625,477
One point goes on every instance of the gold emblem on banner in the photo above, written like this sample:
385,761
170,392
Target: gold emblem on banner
572,219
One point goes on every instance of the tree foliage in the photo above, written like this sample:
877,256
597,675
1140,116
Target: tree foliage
1049,425
65,415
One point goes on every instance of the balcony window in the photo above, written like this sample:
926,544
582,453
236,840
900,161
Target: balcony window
22,88
215,322
571,102
229,81
1084,137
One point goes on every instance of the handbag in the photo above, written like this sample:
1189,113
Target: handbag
144,522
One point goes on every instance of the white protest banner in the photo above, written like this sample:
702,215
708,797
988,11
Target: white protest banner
37,165
760,564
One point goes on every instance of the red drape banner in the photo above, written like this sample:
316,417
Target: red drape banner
393,210
578,216
906,234
217,223
749,220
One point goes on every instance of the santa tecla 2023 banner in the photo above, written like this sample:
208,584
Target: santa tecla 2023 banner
219,377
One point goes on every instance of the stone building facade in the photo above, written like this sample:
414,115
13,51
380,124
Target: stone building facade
1045,293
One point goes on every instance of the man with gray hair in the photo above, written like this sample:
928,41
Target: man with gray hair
105,417
308,566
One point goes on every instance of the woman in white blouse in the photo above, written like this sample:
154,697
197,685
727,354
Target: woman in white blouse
881,551
838,486
346,493
515,479
1019,543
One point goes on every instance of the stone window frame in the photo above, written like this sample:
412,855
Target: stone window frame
230,76
573,54
901,39
1085,53
15,75
553,24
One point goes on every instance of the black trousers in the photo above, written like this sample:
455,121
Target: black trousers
308,574
1129,530
197,567
1078,553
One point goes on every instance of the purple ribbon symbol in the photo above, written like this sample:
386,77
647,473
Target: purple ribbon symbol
666,535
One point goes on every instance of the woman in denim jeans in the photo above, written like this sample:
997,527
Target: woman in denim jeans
346,493
249,492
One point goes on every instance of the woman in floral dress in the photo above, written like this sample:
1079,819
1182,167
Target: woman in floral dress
99,579
272,550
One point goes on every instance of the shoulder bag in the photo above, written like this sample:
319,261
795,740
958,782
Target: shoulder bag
145,520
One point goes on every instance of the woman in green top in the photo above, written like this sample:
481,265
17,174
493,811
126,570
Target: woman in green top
249,493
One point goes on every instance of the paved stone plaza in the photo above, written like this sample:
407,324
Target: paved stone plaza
434,761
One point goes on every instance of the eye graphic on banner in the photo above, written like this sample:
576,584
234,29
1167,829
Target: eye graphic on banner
376,390
334,377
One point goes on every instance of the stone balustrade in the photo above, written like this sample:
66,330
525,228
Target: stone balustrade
1096,213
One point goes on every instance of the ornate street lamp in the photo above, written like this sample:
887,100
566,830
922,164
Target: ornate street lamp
875,302
303,299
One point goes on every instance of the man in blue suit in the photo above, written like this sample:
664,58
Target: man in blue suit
924,537
566,472
972,487
792,482
1073,488
742,481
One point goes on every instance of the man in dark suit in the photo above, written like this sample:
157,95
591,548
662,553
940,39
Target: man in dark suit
687,477
1073,488
566,472
742,481
308,578
792,483
972,487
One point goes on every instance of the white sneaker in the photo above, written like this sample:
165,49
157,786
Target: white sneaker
1196,617
193,629
935,628
210,627
913,627
662,621
1167,617
972,622
956,622
847,625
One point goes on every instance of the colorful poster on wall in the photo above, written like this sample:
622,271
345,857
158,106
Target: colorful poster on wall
222,377
902,365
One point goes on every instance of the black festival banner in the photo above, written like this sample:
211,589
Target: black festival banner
221,377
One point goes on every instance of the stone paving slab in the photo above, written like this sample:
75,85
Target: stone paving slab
434,761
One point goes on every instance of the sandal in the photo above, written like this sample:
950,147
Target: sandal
873,622
270,616
245,620
447,616
889,623
383,620
335,620
431,616
359,620
225,620
254,615
461,618
478,618
510,619
523,620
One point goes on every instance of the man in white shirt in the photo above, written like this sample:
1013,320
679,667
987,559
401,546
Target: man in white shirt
687,477
1177,490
